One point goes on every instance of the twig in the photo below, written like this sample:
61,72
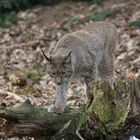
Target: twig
12,94
78,134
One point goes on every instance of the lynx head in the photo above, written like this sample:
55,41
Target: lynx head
59,67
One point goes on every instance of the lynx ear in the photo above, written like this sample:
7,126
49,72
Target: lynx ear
67,58
48,59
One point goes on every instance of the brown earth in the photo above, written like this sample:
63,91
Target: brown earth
22,66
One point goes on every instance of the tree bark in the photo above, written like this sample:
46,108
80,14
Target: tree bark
113,114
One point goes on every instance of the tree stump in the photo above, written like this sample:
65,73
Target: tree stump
113,114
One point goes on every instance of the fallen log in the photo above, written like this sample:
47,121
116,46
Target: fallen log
113,114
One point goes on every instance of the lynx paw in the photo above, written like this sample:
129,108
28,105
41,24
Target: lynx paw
54,109
51,108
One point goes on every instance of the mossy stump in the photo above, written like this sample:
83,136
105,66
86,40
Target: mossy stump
113,114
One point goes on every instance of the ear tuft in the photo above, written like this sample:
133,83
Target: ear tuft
47,58
67,58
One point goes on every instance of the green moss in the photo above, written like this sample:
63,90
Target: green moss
26,79
99,2
7,7
135,23
18,5
112,115
97,16
17,78
74,20
29,89
32,74
69,109
7,19
102,15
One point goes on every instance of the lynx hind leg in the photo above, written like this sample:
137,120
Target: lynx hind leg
90,80
89,93
106,69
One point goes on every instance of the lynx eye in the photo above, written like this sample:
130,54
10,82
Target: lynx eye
52,74
64,73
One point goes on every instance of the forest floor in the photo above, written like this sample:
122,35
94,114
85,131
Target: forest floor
22,66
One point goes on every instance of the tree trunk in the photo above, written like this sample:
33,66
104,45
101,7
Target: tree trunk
113,114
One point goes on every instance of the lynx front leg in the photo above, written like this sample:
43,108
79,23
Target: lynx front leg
60,100
89,81
106,69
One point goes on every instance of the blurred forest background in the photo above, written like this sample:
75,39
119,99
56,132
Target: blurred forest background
27,26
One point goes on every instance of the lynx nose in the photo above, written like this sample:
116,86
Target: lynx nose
58,81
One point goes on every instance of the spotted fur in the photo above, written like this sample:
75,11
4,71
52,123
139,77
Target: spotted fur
87,53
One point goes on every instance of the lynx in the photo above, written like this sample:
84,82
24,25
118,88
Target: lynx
87,53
